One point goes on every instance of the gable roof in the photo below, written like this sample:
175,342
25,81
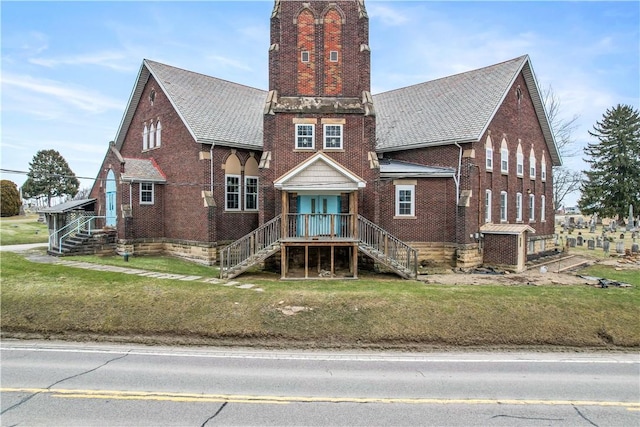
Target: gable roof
390,168
69,206
453,109
214,111
142,170
319,172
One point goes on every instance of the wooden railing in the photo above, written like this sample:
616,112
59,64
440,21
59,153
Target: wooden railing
383,245
310,226
261,240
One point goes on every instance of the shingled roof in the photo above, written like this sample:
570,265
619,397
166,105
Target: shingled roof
214,111
453,109
142,170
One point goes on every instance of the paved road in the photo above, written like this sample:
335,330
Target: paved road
47,383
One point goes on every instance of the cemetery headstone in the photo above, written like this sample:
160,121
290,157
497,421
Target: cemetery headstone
591,244
579,240
605,247
598,242
620,247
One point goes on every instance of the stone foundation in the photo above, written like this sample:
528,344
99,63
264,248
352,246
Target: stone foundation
198,252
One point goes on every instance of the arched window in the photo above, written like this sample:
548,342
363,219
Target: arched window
504,157
503,206
233,172
145,138
488,148
543,169
487,206
532,164
518,206
519,161
158,134
152,136
307,57
332,52
543,209
251,184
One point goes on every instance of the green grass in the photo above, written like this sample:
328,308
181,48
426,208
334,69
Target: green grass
53,300
162,264
20,230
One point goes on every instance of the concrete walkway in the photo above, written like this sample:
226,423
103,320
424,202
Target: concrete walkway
42,257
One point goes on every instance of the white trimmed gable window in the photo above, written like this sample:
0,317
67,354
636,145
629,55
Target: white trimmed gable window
543,209
518,206
145,137
487,206
504,157
146,193
503,206
158,134
332,136
405,200
519,161
305,136
532,165
152,136
488,148
543,169
532,206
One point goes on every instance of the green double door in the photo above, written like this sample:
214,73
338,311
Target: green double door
318,211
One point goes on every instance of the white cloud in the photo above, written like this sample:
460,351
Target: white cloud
228,62
108,59
386,14
81,98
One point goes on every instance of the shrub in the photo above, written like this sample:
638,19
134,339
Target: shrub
9,198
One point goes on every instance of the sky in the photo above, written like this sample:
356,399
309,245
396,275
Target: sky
68,68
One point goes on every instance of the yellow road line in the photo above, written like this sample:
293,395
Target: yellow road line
194,397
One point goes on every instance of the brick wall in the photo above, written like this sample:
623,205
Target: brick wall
501,249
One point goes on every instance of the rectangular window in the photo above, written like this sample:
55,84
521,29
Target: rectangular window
504,160
304,136
304,56
532,210
518,206
489,155
543,209
251,193
503,206
333,56
333,136
487,206
232,193
146,193
405,200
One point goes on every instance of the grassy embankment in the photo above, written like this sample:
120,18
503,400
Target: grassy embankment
380,311
18,230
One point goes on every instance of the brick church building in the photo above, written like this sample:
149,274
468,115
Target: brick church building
317,176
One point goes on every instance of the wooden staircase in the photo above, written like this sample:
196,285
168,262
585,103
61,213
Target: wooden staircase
372,240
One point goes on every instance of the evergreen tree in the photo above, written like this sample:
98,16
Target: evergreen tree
49,176
613,181
9,198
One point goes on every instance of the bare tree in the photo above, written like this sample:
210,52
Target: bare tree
565,180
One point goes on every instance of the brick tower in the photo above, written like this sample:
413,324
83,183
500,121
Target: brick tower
319,101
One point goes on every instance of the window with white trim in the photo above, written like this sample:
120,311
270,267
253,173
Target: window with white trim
145,138
487,206
251,193
519,161
532,165
518,206
305,136
503,206
405,200
333,56
304,56
232,192
332,136
146,193
158,134
152,136
543,169
504,157
532,210
543,209
488,149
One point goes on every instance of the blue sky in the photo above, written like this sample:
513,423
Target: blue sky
68,68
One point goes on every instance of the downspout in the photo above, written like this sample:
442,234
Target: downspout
456,179
211,168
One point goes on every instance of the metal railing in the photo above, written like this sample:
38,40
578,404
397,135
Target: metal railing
82,223
250,245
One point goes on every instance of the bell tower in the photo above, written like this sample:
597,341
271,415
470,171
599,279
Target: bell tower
319,99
